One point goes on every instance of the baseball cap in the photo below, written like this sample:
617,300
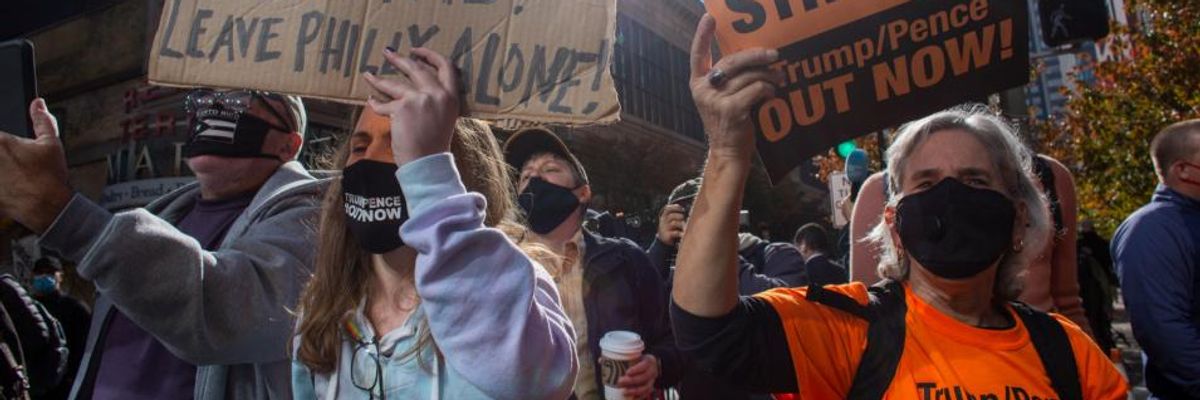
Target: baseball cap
685,191
529,142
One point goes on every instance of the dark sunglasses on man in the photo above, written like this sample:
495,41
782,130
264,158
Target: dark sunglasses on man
236,101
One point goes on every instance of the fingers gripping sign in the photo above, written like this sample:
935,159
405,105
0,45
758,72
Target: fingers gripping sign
424,109
33,173
725,92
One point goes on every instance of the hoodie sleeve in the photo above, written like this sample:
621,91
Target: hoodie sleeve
494,313
228,306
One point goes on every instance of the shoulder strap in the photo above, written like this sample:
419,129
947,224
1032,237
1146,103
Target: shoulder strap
885,311
1046,175
818,294
885,342
1054,349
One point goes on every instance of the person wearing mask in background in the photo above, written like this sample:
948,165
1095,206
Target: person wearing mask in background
813,244
761,265
1052,278
418,292
965,214
1157,253
71,313
606,284
857,172
193,290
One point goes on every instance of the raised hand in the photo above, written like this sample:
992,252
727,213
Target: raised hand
424,109
670,224
33,173
725,93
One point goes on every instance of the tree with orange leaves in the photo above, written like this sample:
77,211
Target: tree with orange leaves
1152,80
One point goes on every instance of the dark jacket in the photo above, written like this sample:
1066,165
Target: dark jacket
823,271
74,316
29,337
1157,253
778,261
775,258
622,292
778,267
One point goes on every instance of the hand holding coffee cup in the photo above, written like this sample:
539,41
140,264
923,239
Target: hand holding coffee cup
625,372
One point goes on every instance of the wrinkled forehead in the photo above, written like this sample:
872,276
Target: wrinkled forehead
543,159
949,152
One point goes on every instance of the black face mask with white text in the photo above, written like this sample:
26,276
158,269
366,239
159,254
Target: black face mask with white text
229,133
374,204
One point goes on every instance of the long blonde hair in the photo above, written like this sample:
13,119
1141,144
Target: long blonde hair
343,275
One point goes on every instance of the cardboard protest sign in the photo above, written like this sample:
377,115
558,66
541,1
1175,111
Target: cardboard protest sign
854,67
532,60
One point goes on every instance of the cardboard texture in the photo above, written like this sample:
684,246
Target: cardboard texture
854,67
532,60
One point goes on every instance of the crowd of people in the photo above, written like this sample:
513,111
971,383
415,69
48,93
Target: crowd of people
441,263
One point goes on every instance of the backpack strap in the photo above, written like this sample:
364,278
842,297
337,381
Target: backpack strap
1054,349
818,294
886,332
1046,174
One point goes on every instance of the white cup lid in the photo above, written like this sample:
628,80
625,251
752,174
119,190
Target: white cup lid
622,342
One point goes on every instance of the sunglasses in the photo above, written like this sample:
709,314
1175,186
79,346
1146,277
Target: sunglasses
238,101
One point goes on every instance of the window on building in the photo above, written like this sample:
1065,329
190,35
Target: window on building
652,79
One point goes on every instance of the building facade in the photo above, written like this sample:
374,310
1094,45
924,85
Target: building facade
1057,69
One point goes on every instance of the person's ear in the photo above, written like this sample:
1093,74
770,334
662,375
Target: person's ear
291,150
1181,170
889,219
1021,227
584,193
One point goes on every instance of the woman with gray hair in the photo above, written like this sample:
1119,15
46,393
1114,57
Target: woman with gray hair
966,228
943,324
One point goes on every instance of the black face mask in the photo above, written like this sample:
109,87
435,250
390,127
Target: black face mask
546,205
374,204
956,231
224,127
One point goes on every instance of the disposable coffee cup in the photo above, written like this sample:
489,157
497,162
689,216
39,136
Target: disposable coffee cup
619,350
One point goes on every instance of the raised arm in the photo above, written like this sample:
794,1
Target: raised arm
706,274
494,313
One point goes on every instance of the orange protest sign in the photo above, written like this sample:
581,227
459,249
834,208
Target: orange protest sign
778,23
854,67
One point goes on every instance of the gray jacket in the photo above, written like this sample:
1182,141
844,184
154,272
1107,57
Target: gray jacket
227,311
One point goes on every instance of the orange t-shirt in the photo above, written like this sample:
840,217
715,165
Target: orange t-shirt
943,358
